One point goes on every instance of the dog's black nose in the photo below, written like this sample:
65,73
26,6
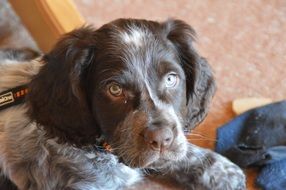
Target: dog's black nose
159,138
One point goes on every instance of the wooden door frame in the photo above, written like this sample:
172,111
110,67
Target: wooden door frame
47,20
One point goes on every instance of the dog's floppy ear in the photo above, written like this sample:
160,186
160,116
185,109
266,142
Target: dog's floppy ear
57,98
200,85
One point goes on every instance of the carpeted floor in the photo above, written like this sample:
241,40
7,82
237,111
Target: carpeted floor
244,41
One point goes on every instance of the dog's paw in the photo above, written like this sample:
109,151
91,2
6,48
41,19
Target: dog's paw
224,175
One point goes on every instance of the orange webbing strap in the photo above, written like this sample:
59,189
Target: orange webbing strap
13,97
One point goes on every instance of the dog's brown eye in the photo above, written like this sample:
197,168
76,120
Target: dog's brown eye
171,80
115,89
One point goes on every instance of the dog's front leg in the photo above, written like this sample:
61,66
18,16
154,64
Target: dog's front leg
206,170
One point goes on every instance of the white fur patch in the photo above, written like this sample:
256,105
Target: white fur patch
90,155
134,36
134,174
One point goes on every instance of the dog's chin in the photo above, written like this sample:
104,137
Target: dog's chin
155,159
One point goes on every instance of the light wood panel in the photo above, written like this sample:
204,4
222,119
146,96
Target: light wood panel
47,20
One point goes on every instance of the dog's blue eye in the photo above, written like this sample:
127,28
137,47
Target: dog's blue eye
171,80
115,89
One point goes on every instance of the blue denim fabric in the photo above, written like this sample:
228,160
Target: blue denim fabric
257,138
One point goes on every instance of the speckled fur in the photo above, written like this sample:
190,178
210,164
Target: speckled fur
199,169
33,160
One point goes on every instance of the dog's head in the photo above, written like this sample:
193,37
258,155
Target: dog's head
139,83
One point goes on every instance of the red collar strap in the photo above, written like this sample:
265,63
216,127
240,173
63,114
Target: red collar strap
100,145
12,97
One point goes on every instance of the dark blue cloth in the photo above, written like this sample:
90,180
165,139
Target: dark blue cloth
258,138
273,176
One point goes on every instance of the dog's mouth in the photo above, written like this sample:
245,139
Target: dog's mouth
140,143
150,158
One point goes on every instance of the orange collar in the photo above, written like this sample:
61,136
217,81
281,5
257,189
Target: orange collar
13,96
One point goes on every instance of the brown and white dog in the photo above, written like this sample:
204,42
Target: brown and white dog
136,84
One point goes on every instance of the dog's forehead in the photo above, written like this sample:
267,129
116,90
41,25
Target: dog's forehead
134,32
134,36
144,46
136,49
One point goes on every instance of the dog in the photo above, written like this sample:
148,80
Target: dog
105,107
